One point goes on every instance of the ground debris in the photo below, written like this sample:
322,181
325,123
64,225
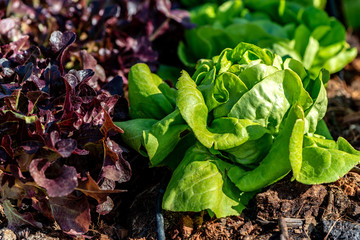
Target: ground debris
187,226
224,228
290,200
350,184
7,234
341,230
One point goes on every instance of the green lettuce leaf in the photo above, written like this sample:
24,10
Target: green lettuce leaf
133,132
164,135
199,183
276,164
269,100
149,96
332,161
243,121
318,109
252,151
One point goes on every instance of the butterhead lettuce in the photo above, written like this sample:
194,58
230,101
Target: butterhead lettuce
242,121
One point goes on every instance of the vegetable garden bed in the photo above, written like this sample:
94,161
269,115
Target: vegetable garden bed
109,130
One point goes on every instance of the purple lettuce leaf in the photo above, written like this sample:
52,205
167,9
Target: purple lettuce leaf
24,72
90,188
115,167
60,41
114,87
29,55
63,181
105,207
72,213
6,145
16,46
55,85
6,68
74,77
40,202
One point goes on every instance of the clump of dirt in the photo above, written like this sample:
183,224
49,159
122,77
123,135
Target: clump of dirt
290,200
226,228
195,226
350,184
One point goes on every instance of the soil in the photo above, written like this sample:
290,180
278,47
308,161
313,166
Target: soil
285,210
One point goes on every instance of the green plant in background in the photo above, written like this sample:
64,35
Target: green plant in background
243,121
316,3
308,34
351,10
192,3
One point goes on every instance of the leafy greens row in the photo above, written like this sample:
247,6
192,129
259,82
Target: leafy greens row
243,121
306,34
56,133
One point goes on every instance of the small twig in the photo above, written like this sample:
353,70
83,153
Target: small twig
332,226
306,233
283,229
263,221
301,207
330,205
293,222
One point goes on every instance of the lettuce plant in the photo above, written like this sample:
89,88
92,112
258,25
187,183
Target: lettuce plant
243,121
308,34
56,134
